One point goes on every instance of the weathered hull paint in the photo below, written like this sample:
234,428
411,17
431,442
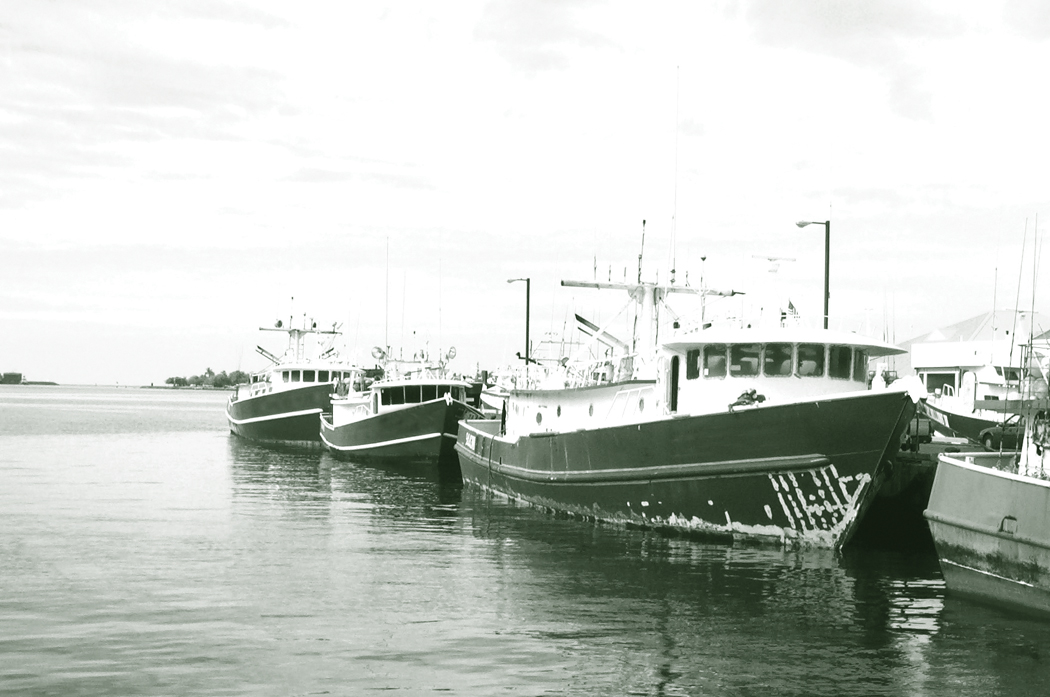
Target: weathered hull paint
796,474
992,533
288,417
421,433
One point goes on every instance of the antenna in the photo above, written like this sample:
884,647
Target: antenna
640,252
674,214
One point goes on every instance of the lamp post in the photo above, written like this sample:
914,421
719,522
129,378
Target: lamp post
528,292
827,260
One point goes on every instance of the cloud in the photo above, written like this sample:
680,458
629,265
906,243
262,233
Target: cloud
80,81
537,36
872,35
1029,18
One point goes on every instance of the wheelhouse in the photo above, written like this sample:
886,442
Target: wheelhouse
389,396
718,367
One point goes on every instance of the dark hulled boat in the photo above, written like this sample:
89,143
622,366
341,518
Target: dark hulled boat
282,404
410,417
766,435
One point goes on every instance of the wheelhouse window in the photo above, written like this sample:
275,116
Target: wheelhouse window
777,360
744,359
811,360
296,376
860,365
692,364
413,395
443,390
393,395
840,362
322,376
284,376
429,393
309,375
715,361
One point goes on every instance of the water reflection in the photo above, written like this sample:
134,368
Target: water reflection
304,480
679,616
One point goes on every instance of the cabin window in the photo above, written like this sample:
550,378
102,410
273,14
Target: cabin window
743,359
459,394
309,376
430,393
394,395
284,376
840,362
777,360
715,361
322,376
860,365
296,376
811,360
692,364
443,390
413,394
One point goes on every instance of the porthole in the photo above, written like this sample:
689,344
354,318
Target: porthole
559,410
590,410
539,417
641,405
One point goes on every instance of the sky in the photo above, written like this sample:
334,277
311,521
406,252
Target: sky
174,176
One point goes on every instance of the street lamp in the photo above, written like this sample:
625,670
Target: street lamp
528,292
827,260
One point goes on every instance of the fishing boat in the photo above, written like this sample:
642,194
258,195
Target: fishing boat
989,516
979,371
282,404
730,431
409,416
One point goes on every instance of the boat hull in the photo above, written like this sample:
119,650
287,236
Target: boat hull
992,533
419,434
288,417
796,474
950,423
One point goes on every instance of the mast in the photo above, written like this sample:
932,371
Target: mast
648,297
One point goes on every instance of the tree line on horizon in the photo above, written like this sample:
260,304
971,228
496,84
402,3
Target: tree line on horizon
210,379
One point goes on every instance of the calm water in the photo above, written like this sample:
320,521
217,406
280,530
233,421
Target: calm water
145,551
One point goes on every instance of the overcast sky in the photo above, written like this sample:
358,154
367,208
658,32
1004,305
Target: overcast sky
173,174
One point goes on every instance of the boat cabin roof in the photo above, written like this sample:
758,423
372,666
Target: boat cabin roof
782,335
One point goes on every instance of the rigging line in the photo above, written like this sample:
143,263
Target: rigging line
1017,299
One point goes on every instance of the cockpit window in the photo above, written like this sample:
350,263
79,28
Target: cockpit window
840,363
743,359
715,361
777,360
811,360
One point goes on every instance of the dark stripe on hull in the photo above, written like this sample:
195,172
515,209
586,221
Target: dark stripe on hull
291,417
800,473
425,433
947,423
